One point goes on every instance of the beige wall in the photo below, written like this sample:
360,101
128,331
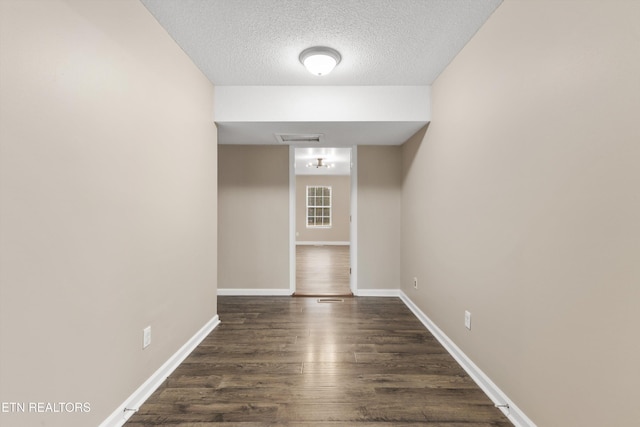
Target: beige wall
341,208
107,204
521,205
379,201
253,221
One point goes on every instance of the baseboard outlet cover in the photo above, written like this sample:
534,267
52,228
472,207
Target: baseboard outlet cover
130,406
255,292
510,409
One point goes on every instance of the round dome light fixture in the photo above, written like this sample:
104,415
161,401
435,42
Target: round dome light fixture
320,60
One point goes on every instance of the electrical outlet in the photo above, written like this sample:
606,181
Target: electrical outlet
415,283
467,320
146,337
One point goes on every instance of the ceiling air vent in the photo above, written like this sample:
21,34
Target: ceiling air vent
300,138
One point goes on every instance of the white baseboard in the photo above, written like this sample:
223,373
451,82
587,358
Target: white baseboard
513,413
255,292
306,243
128,408
378,292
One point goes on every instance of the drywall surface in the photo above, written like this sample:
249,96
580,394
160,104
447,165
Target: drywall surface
379,202
520,204
253,217
322,104
107,206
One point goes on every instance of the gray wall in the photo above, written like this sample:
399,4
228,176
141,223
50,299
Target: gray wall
253,217
107,204
341,197
520,204
379,202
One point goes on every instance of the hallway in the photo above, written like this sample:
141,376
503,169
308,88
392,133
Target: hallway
300,362
148,165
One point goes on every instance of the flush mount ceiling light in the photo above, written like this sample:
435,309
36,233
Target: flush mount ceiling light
320,164
320,60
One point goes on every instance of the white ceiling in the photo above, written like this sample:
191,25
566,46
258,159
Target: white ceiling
382,43
335,134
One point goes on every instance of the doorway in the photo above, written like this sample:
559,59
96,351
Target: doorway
322,198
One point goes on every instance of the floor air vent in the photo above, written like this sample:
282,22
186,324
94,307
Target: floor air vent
330,300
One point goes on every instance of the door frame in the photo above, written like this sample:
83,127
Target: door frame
353,226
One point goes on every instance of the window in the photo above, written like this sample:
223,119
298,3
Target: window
318,206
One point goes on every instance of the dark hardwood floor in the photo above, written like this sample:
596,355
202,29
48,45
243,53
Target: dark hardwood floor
284,361
322,270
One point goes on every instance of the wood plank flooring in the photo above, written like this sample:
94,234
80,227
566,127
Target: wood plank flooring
322,270
284,361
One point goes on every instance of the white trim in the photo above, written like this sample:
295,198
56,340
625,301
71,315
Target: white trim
292,219
353,229
378,293
120,415
512,412
317,243
255,292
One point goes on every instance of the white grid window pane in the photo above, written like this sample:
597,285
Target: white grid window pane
318,206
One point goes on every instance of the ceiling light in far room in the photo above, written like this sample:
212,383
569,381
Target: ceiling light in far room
320,60
320,164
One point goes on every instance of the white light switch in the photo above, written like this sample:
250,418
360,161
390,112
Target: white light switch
146,337
467,320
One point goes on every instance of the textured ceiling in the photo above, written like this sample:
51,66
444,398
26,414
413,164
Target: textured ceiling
382,42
